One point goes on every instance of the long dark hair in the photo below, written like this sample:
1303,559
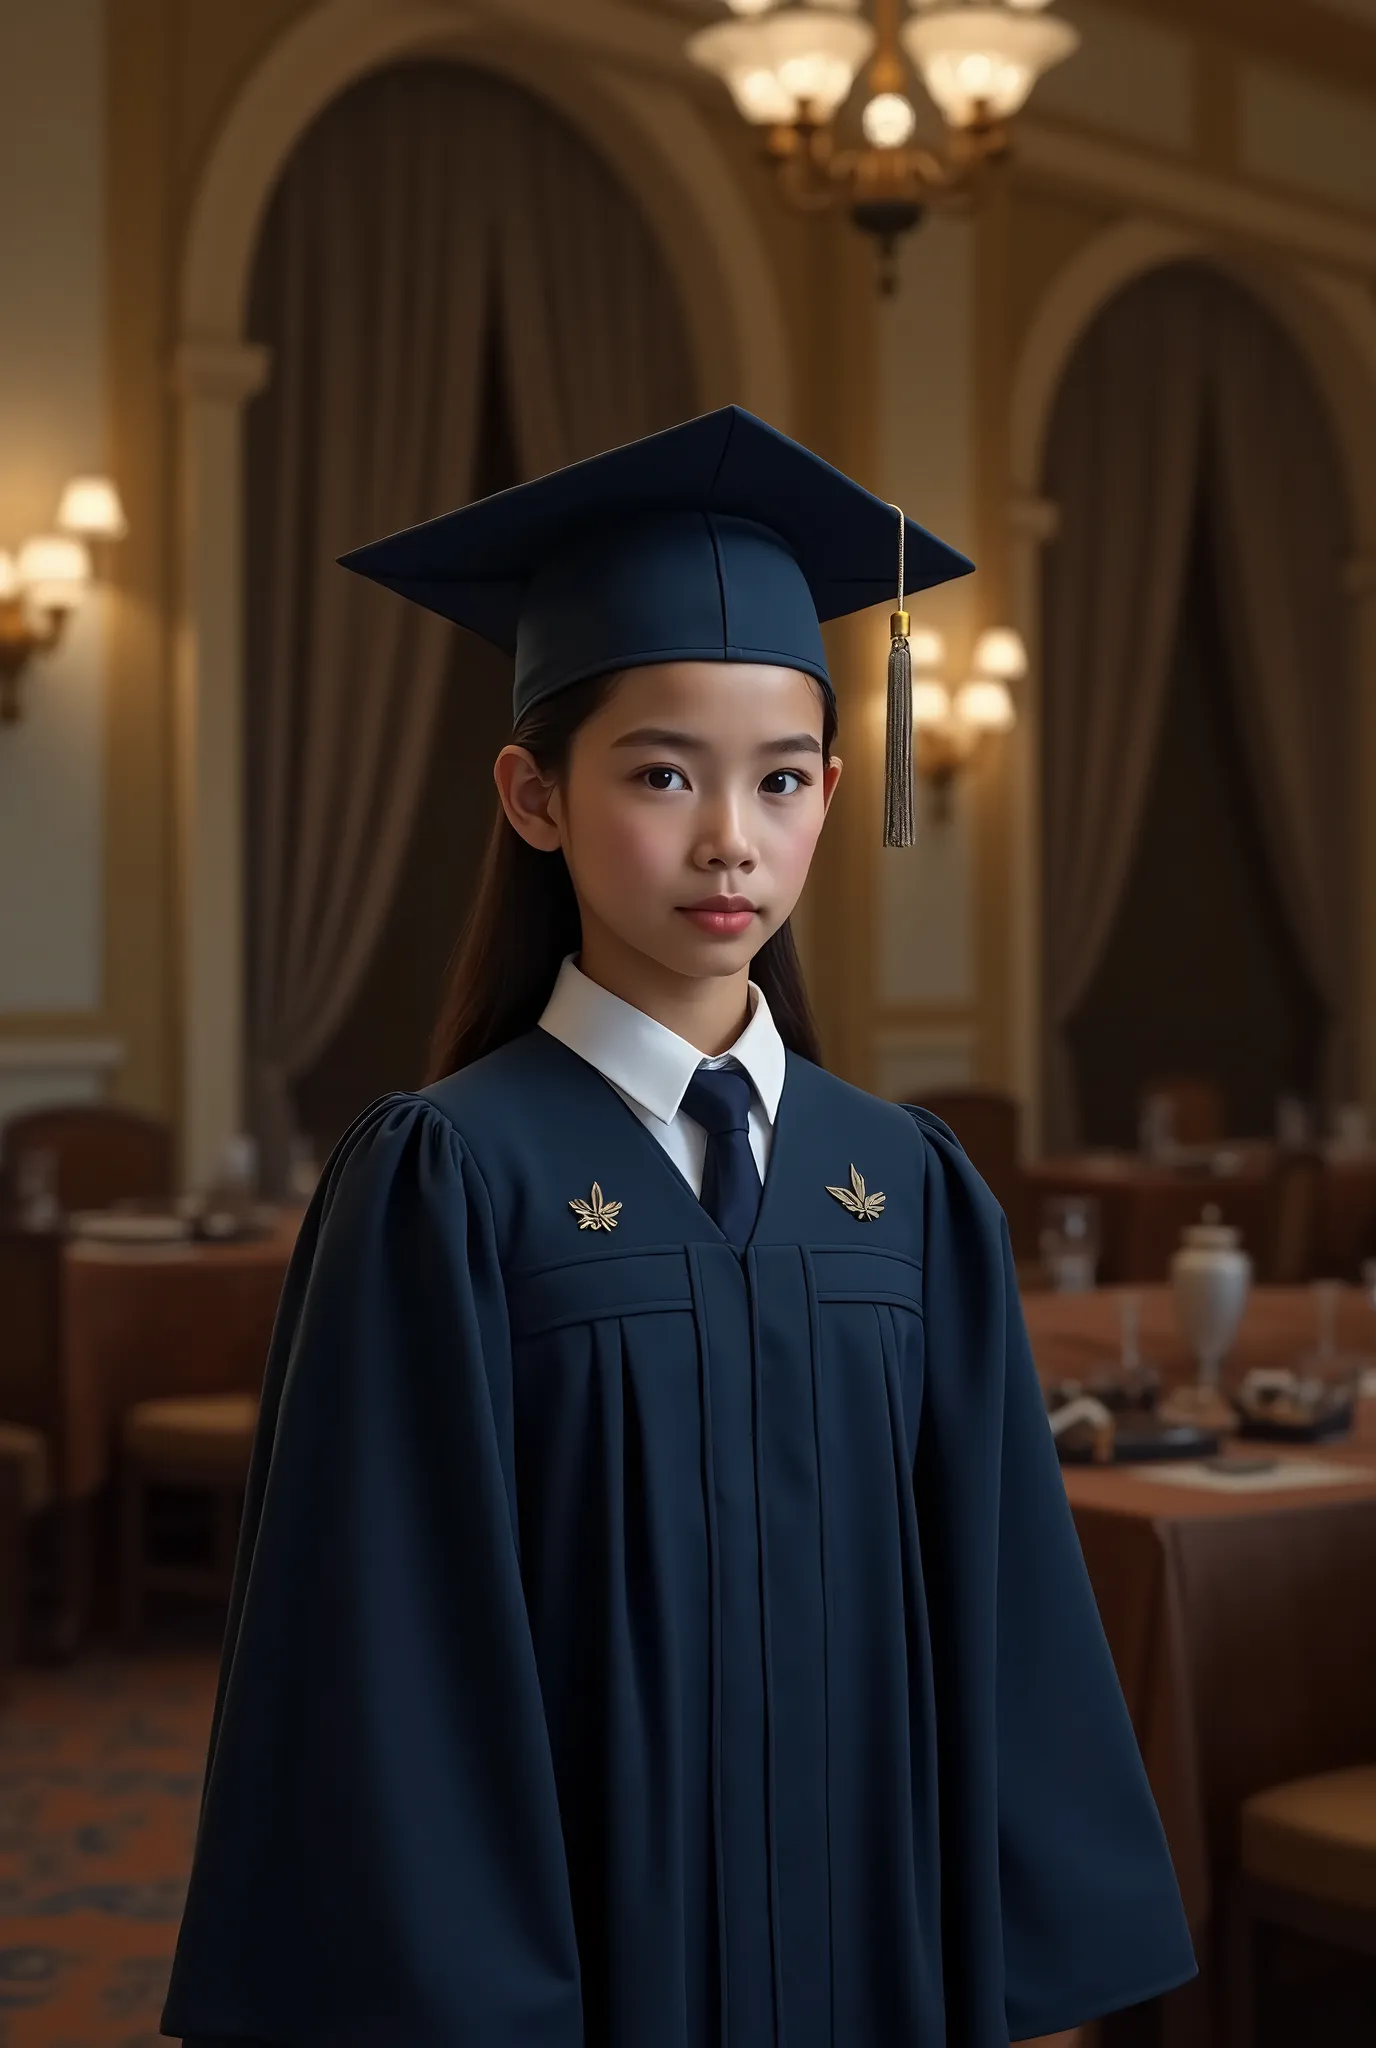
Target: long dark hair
524,918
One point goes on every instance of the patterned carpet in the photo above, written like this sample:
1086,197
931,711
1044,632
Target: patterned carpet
100,1779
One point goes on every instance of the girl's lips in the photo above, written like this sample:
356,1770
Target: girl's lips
726,923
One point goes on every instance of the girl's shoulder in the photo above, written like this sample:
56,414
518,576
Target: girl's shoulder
517,1081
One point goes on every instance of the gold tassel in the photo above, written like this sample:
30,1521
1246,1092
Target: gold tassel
899,825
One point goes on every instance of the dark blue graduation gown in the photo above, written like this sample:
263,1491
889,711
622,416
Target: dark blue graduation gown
635,1644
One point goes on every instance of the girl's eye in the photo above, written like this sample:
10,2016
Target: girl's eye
658,778
793,776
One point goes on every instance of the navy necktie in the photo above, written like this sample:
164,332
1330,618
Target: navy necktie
718,1098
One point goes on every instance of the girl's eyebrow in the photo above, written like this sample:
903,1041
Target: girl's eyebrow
663,736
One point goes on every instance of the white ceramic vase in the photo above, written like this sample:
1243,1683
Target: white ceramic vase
1211,1276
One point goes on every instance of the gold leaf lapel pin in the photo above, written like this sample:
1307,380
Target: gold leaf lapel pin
596,1214
854,1199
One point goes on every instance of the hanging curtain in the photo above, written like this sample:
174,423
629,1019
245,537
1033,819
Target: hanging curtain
593,338
426,203
1185,370
1281,541
1122,464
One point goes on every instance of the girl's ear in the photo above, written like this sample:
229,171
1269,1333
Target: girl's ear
831,775
531,803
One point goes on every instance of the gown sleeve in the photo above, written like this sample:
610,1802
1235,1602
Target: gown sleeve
379,1857
1060,1901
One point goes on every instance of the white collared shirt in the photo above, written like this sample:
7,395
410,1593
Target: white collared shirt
650,1066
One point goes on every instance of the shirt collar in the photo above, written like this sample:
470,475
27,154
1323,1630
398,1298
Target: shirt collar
642,1057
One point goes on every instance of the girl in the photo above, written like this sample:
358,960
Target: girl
658,1620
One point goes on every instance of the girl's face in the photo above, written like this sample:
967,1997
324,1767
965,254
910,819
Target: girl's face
692,801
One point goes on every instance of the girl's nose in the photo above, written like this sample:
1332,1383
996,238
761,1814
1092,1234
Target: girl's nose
725,843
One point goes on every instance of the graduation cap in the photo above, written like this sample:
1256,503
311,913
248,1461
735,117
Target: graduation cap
717,540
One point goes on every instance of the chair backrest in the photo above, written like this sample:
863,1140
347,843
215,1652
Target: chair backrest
1195,1104
105,1153
988,1125
986,1122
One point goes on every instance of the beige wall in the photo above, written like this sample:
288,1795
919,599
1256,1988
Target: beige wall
52,423
1209,118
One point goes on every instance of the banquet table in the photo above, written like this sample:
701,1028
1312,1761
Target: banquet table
1298,1212
136,1322
1242,1625
139,1321
1144,1205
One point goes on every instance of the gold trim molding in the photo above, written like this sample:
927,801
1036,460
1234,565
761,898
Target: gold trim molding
56,1024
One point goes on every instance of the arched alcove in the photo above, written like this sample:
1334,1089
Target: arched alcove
457,294
1329,318
639,120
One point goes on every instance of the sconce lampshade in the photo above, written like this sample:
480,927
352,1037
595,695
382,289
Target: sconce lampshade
90,507
927,650
999,651
931,701
986,704
54,569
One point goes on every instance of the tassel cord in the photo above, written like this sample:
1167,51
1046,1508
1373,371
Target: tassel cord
899,820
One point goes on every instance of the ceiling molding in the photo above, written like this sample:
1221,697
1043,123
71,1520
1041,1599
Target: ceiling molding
1229,205
1300,34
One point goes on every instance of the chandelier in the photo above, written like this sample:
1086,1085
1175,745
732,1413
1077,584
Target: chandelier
790,69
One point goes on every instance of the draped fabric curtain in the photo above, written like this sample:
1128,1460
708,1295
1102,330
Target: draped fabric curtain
1184,375
428,203
1281,543
1122,466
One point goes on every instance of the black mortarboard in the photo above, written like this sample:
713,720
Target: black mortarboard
717,540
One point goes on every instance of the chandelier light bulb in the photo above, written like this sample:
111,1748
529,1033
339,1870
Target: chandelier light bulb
777,62
762,99
888,120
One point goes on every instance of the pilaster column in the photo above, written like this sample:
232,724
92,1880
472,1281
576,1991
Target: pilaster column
213,381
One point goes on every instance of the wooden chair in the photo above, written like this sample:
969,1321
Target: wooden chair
202,1441
105,1153
989,1127
1196,1108
1307,1863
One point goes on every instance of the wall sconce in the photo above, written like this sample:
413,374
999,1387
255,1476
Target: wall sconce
45,582
949,728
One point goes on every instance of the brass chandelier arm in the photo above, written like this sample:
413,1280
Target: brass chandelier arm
919,173
796,69
813,174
